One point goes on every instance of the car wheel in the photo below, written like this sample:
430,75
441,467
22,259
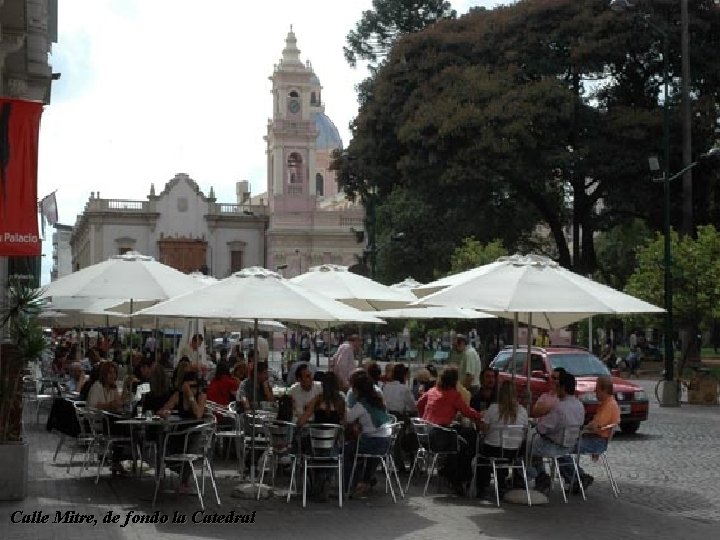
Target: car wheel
629,428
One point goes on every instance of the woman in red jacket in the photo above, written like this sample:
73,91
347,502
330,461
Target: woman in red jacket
223,387
440,406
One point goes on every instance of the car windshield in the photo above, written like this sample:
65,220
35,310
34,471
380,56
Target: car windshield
580,365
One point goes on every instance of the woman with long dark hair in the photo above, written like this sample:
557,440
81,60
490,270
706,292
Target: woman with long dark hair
329,406
370,413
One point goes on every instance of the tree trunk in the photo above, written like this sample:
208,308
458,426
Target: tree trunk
11,366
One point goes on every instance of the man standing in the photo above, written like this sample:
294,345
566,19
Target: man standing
343,363
469,370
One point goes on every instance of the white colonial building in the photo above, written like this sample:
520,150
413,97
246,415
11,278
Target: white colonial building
301,221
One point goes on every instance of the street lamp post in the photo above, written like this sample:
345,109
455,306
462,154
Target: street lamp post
669,397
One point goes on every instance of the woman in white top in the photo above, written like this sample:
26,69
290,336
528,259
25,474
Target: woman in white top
370,413
400,402
506,412
105,395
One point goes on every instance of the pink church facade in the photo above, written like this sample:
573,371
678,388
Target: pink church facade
310,222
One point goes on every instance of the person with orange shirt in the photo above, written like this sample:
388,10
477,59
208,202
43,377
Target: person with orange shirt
597,433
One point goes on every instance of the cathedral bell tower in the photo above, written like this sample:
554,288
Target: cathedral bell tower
291,133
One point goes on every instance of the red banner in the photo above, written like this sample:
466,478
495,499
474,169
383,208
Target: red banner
19,129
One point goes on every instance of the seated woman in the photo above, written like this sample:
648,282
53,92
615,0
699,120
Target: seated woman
506,412
223,387
189,400
77,378
239,371
440,405
328,407
105,395
369,411
325,408
400,402
159,389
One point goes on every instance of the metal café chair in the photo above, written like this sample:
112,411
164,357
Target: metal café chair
429,448
566,448
602,457
229,428
100,423
386,459
511,438
196,444
279,437
325,452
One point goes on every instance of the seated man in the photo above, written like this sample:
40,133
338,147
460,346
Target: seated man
249,396
304,390
568,412
595,439
549,399
486,395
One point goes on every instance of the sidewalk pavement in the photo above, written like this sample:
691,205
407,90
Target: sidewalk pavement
416,518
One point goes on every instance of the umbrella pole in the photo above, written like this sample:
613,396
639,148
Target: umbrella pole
514,349
255,370
528,361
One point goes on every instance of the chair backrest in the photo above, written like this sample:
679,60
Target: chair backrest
324,438
422,431
511,437
95,421
569,436
279,434
30,386
442,439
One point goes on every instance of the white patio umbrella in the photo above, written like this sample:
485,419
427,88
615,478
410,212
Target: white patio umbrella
534,286
523,286
338,283
129,276
258,293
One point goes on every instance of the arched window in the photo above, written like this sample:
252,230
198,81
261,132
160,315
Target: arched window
294,94
319,185
312,98
295,169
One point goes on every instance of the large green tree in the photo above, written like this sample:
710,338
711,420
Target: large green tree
695,277
538,111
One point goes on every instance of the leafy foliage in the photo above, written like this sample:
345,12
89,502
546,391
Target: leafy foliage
695,276
379,27
471,254
541,112
20,319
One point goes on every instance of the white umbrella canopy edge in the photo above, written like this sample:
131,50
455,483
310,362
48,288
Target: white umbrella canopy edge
337,282
433,312
257,293
131,275
538,285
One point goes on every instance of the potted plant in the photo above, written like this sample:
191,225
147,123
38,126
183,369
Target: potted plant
23,341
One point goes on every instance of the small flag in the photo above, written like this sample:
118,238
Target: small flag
48,209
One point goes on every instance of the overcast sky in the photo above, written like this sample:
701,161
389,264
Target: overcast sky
150,88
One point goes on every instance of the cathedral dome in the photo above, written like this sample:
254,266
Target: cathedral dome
328,136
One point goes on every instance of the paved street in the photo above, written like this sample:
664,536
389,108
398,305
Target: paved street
668,475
